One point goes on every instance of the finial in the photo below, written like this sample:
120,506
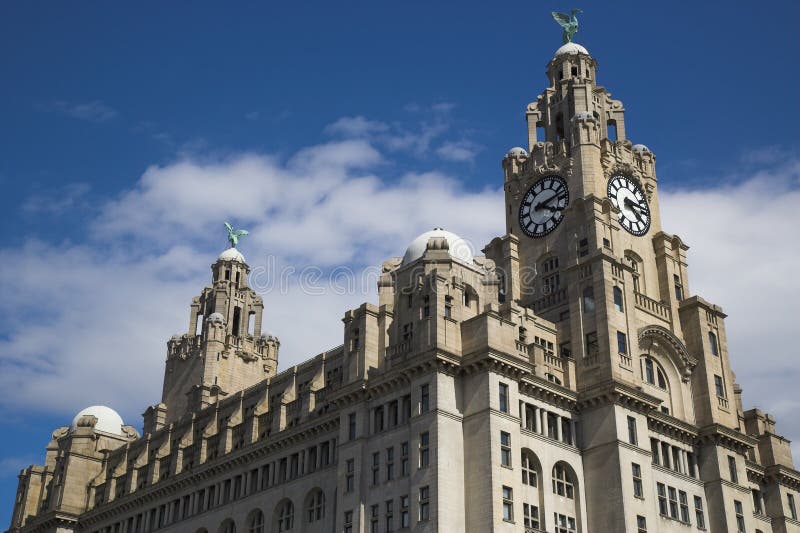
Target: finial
568,22
233,235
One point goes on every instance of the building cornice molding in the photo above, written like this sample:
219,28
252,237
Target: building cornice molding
613,392
720,435
673,427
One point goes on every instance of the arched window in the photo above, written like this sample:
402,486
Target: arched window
284,516
228,526
588,300
530,469
551,378
562,483
315,506
255,522
654,374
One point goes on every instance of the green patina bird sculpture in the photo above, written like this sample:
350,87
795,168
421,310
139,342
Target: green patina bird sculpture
234,234
568,22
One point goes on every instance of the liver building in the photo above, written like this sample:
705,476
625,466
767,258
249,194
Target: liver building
566,380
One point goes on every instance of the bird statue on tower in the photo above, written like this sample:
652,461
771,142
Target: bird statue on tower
568,22
234,234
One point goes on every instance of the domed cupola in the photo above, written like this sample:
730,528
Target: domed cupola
439,239
101,418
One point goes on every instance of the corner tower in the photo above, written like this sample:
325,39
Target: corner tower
224,350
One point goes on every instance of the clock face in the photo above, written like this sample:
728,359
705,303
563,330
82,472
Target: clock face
628,197
542,207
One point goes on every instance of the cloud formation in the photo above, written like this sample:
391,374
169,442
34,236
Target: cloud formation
743,256
90,320
94,111
93,318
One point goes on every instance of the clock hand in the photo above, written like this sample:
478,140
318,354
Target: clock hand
544,204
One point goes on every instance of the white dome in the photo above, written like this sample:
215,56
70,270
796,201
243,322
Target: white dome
571,48
517,152
108,420
458,248
639,148
231,254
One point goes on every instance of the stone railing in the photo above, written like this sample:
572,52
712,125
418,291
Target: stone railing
653,307
723,402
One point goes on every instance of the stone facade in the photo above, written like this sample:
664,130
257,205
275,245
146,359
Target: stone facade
561,382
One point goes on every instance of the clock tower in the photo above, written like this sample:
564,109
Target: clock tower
585,249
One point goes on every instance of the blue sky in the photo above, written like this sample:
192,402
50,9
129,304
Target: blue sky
337,132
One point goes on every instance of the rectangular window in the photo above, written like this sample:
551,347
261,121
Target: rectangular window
654,451
641,524
504,397
677,464
531,514
592,346
348,522
373,518
351,426
622,343
424,503
350,475
505,449
673,502
712,343
379,419
678,287
737,508
404,463
719,386
564,523
508,504
618,305
792,508
448,306
757,508
699,515
732,469
662,499
632,437
389,515
404,518
426,306
665,456
637,480
424,399
424,451
376,468
692,462
683,500
389,463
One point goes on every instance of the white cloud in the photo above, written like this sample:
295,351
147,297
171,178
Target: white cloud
59,200
358,126
463,150
94,111
744,255
88,323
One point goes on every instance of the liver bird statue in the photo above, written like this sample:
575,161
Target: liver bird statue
234,234
568,22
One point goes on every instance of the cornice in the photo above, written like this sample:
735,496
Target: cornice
613,392
720,435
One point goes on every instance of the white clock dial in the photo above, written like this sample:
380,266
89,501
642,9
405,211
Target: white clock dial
542,207
628,197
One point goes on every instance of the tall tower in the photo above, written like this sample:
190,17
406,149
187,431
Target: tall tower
585,249
224,350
